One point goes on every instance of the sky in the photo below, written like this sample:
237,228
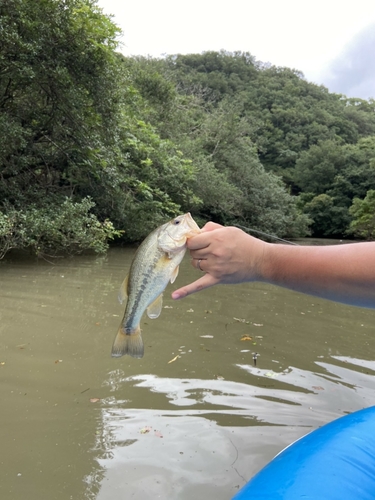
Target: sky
331,41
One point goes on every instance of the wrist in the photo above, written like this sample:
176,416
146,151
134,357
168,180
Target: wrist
266,263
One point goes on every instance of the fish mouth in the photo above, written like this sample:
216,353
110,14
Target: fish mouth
192,230
192,225
195,229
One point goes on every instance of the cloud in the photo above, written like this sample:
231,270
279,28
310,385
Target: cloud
353,72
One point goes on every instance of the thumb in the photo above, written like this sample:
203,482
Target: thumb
204,282
210,226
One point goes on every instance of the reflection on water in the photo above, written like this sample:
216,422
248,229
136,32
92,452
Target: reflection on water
194,418
209,443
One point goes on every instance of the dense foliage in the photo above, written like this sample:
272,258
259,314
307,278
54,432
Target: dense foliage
363,211
118,145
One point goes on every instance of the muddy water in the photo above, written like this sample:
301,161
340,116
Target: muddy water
77,424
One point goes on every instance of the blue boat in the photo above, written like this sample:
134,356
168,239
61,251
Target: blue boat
334,462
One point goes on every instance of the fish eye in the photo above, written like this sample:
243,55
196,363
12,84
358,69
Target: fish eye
177,221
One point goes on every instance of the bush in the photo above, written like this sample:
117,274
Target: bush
67,228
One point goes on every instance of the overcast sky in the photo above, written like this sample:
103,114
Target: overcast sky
331,41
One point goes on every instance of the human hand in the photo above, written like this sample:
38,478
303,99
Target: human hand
225,254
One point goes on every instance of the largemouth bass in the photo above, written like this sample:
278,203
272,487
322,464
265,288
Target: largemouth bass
155,263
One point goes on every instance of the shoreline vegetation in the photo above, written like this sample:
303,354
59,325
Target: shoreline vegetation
99,148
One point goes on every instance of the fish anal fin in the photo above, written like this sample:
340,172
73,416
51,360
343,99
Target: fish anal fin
128,343
123,292
154,309
174,274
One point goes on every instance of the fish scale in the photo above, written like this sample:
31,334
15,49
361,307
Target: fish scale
134,306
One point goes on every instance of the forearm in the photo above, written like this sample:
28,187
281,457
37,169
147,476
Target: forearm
344,273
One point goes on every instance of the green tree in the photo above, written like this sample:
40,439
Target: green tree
363,213
59,96
73,125
329,218
211,128
317,168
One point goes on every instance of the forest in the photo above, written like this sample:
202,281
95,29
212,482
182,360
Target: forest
98,148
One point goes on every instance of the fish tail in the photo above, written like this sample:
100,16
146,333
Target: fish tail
128,343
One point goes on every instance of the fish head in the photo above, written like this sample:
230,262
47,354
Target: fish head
173,235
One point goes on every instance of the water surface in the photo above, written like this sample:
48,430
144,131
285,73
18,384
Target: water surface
194,418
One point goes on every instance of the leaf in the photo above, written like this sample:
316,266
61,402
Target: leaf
145,429
246,337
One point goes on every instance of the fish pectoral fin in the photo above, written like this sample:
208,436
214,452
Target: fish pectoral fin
128,343
174,274
154,309
123,292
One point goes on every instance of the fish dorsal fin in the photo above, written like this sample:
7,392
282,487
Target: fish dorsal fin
174,274
123,292
154,309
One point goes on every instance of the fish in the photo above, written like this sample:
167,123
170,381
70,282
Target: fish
155,264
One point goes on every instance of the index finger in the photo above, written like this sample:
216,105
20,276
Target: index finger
202,240
200,284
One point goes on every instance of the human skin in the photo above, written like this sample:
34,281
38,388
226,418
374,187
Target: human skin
343,273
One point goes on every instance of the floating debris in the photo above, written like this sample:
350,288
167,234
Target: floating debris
271,374
246,337
240,320
255,357
174,359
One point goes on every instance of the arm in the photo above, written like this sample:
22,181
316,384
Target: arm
344,273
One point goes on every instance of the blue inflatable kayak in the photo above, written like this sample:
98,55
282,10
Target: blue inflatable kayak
334,462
